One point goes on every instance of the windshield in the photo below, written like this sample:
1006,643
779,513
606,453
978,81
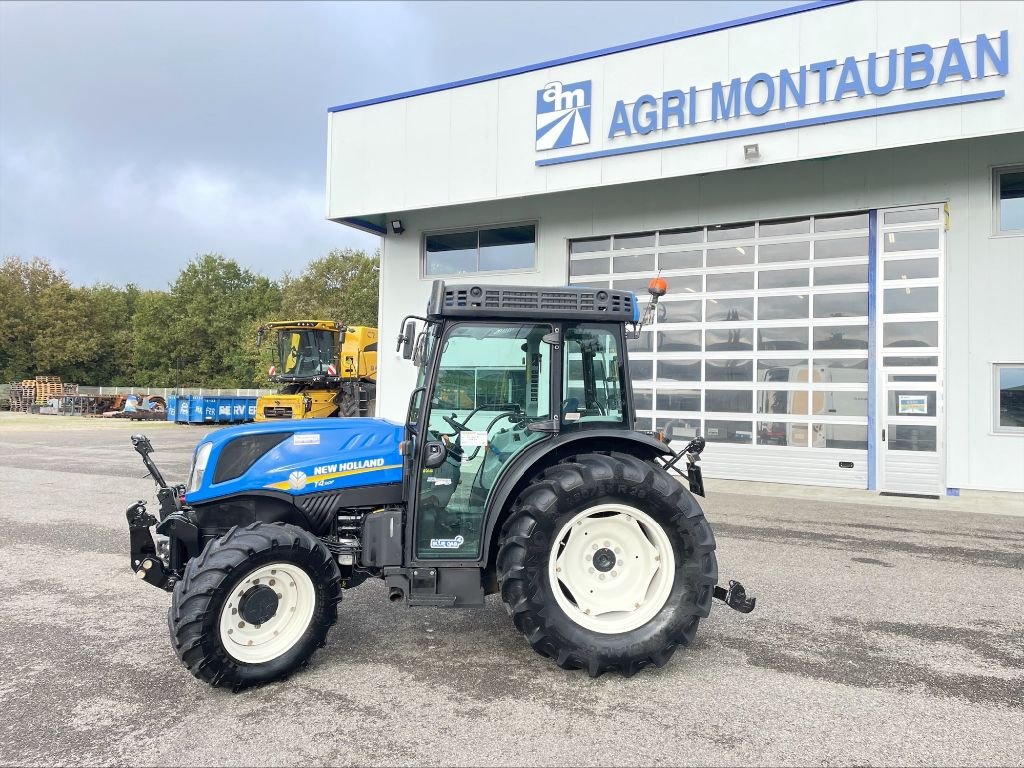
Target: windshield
302,353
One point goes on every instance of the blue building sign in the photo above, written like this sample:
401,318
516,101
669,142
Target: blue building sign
563,112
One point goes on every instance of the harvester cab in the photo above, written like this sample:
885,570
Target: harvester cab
518,471
324,367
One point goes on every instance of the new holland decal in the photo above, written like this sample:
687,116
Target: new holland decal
325,474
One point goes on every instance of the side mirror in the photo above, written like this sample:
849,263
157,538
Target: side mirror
408,339
435,456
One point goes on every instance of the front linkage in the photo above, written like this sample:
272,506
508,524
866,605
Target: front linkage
161,569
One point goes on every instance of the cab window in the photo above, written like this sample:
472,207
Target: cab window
593,384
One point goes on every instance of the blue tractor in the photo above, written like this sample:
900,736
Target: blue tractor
517,471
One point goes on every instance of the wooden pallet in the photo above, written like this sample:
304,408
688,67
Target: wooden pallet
23,395
48,388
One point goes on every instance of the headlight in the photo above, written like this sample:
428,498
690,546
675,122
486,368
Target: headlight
195,477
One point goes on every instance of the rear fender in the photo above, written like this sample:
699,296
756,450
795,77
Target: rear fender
541,455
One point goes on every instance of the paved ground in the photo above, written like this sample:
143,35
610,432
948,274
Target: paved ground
884,635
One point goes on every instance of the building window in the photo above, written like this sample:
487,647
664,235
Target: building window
762,337
1009,398
494,249
1008,200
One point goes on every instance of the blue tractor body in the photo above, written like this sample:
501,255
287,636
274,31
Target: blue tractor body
299,458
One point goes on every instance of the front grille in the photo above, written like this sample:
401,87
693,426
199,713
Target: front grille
278,412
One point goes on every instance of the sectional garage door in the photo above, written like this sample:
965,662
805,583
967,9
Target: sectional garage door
760,345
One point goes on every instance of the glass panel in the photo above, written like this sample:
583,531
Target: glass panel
595,284
782,370
644,425
849,436
639,263
784,227
1011,201
729,370
908,403
679,341
843,370
678,311
776,252
730,232
498,397
728,400
681,260
590,244
641,370
911,240
454,253
636,285
841,222
771,339
592,376
909,217
782,401
678,400
841,337
729,310
923,377
508,248
782,278
841,248
643,344
911,437
840,403
781,433
639,240
722,431
841,304
910,361
724,257
849,273
911,269
1010,384
643,399
589,266
685,284
919,334
731,281
684,429
678,370
681,236
781,307
899,300
728,339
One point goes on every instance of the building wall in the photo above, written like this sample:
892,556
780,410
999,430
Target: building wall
478,142
984,274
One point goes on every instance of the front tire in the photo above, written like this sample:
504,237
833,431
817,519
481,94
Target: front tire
607,564
254,605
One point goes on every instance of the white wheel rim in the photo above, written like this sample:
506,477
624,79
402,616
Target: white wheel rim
616,598
260,643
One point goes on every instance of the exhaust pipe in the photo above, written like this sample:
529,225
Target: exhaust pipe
396,595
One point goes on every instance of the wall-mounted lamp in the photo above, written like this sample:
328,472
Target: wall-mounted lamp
751,152
396,226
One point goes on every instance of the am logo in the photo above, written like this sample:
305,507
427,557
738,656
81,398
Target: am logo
563,115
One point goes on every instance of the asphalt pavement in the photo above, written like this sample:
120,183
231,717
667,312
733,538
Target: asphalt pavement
886,633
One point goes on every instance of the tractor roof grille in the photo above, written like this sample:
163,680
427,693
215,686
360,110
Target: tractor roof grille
530,302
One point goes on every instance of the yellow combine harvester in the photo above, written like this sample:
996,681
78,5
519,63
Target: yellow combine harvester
326,369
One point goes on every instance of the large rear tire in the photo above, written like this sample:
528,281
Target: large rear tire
254,605
606,563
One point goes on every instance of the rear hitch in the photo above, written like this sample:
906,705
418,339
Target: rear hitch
144,559
736,597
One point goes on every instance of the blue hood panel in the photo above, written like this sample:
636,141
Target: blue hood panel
319,455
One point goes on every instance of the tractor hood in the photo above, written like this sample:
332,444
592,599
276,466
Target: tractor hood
295,457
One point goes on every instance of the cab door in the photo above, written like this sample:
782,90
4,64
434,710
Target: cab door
491,381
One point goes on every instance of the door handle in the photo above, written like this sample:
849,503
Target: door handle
883,434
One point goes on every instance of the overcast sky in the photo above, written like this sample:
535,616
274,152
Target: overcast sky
134,136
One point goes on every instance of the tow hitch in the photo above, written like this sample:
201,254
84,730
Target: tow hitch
736,597
144,560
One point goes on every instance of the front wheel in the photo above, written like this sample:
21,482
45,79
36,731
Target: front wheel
255,605
607,563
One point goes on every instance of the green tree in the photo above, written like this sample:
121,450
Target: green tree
23,285
342,285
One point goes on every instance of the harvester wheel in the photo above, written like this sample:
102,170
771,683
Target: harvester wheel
255,605
607,564
348,403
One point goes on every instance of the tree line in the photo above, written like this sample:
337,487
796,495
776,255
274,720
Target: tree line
198,332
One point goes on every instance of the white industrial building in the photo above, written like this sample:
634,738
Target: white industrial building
834,193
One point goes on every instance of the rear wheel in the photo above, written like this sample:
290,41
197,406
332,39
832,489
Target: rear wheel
255,605
607,563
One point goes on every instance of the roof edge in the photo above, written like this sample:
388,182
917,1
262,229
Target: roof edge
766,16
